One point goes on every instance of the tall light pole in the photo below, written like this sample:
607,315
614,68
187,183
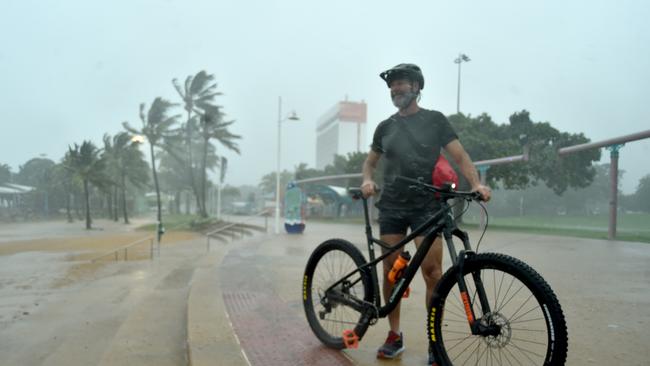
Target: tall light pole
459,60
291,117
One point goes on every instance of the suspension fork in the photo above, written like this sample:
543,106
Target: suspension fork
476,327
480,290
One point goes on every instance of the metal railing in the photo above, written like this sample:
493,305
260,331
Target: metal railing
264,213
126,248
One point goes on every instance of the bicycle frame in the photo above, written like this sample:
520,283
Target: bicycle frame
442,223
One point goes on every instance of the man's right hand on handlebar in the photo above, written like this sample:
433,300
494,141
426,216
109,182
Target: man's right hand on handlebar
368,188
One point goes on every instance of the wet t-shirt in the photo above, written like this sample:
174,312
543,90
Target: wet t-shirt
431,131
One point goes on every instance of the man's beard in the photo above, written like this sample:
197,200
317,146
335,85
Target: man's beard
403,100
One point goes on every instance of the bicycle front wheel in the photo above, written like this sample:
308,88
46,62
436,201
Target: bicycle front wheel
328,318
526,322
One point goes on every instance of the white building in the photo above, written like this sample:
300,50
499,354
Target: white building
340,131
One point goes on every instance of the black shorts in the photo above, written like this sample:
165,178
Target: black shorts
397,221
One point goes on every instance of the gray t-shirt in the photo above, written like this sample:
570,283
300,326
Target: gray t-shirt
432,131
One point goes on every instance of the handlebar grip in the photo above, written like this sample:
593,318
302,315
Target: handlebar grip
476,195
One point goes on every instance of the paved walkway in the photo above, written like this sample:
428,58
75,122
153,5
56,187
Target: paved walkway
241,304
603,286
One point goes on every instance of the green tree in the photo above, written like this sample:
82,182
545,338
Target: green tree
267,184
127,163
86,163
175,147
484,139
156,125
65,182
37,173
213,127
5,173
642,194
302,171
198,93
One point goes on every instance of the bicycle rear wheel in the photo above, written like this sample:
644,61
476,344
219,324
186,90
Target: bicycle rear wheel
330,262
528,323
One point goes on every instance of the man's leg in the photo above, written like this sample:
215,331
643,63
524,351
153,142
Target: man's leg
393,317
394,344
431,266
431,272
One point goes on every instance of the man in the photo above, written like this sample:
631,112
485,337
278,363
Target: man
397,140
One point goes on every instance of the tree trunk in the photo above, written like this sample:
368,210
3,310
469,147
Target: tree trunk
204,162
87,195
190,158
155,181
68,210
109,204
126,217
177,202
116,213
77,206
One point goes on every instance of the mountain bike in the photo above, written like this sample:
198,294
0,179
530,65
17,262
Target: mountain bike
488,308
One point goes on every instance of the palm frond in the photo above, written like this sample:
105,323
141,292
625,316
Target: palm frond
177,86
207,90
142,115
200,82
188,82
128,127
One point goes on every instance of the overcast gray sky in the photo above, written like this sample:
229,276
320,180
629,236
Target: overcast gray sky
74,70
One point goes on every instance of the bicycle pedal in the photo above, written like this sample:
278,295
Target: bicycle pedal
350,339
406,293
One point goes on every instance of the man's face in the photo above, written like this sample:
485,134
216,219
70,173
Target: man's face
402,92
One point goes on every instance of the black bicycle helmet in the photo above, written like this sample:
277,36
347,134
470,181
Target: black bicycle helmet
403,71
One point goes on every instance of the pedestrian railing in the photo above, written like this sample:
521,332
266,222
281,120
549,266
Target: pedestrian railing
235,229
125,249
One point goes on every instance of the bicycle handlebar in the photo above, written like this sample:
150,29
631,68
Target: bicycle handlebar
445,191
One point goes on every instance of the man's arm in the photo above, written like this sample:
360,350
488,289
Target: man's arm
369,166
460,156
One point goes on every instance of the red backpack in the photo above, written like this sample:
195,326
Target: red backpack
443,173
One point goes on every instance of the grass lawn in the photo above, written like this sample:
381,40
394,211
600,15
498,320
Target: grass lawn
630,227
183,223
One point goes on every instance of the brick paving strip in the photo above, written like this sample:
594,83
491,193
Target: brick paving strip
268,328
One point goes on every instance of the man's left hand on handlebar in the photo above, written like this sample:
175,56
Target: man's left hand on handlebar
486,192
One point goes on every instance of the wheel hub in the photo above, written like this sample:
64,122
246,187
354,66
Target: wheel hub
505,331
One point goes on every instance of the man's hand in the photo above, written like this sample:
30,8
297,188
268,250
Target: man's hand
368,188
485,192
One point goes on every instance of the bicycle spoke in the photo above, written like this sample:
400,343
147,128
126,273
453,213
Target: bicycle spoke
496,297
511,297
526,352
521,306
514,308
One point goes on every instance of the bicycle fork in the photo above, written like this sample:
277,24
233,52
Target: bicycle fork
477,326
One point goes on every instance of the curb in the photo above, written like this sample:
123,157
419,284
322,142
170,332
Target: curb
211,339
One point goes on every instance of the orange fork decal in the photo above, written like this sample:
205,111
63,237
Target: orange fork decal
468,307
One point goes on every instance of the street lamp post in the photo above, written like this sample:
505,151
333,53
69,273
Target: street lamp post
459,60
291,117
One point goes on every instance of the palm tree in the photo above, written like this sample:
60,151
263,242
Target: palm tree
156,125
214,127
127,164
111,156
197,94
86,163
67,183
